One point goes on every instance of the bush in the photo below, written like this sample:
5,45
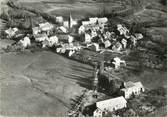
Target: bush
160,91
163,2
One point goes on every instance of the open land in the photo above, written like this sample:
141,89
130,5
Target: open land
43,83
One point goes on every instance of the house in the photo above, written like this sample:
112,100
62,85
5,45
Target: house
84,23
123,30
107,43
117,47
25,42
46,26
93,20
124,43
63,29
40,37
102,21
11,32
70,39
87,38
117,62
109,105
133,39
138,36
132,88
65,38
94,47
50,41
36,30
59,19
81,29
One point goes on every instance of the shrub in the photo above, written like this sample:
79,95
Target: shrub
163,2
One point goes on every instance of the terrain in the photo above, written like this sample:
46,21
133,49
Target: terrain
42,83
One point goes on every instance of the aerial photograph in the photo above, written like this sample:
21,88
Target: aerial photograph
83,58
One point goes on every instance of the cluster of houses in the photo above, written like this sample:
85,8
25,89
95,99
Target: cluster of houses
95,34
110,105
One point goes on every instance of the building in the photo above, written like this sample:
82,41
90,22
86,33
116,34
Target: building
62,29
107,43
109,105
93,20
25,42
70,22
50,41
46,26
11,32
66,38
81,29
87,38
123,30
132,88
36,30
40,37
138,36
94,47
59,19
102,21
117,62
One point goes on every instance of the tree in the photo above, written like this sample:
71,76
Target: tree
163,2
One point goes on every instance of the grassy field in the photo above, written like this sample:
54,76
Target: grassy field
40,84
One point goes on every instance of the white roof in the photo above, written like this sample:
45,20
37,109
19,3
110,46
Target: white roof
102,20
138,84
46,26
110,102
86,23
130,84
107,44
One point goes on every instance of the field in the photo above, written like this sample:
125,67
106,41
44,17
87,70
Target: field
40,84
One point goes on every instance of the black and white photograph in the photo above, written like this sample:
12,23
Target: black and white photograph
83,58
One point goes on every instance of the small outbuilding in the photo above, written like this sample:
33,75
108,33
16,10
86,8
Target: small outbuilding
132,88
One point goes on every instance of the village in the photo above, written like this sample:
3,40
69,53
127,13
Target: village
71,38
94,35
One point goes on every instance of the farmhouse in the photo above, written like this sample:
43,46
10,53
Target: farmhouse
132,89
109,105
